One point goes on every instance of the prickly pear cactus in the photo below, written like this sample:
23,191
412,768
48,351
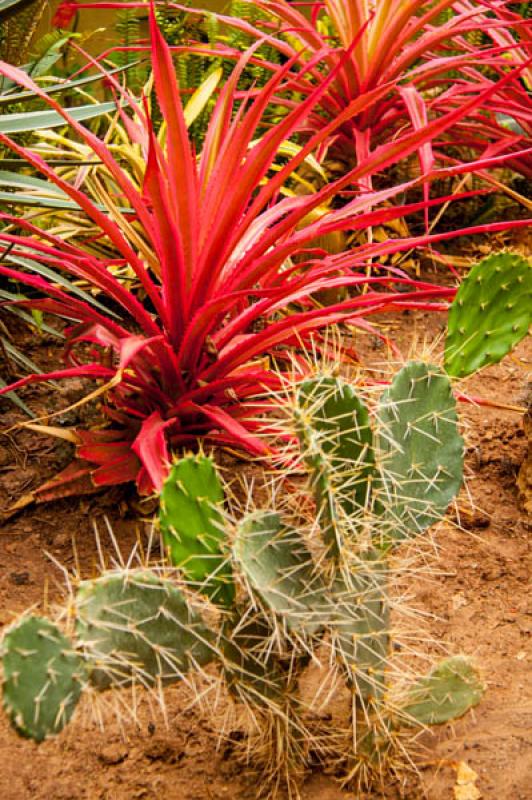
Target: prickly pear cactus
43,677
276,563
360,626
135,625
251,670
392,496
490,314
421,451
336,439
192,526
298,592
446,693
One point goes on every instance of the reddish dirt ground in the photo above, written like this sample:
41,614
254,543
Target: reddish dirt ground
478,599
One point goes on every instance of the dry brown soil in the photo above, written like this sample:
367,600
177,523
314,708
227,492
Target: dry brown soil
478,599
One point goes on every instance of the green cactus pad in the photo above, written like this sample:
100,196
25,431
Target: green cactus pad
446,693
337,443
278,567
134,625
43,677
490,314
192,526
361,627
421,450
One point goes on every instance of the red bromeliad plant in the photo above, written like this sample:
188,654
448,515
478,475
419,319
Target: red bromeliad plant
423,51
189,351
